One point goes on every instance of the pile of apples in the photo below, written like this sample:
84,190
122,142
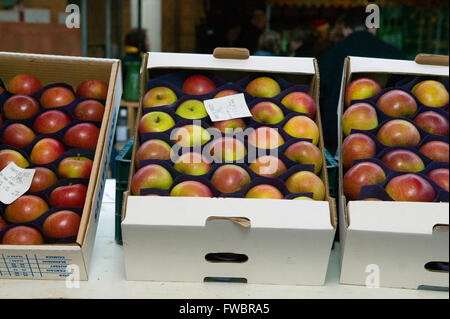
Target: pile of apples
54,131
214,160
396,141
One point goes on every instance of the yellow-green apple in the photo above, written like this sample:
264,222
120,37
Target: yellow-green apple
361,116
20,107
227,149
263,87
151,176
410,188
93,89
361,89
355,147
62,224
436,151
305,153
303,127
264,191
265,137
399,133
225,93
43,178
191,189
433,123
159,96
7,156
403,161
397,103
306,182
441,177
300,102
83,135
89,110
198,85
230,126
192,110
26,209
153,149
46,151
155,122
431,93
362,174
2,223
22,235
69,196
192,164
51,122
18,135
24,84
75,167
230,179
268,166
190,136
267,112
56,97
303,198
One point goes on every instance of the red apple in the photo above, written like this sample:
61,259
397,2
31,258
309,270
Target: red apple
436,151
230,179
362,174
26,209
8,156
62,224
57,97
397,103
403,161
22,235
93,89
90,110
399,133
264,191
431,93
153,149
24,84
263,87
159,96
265,137
355,147
230,126
360,116
69,196
441,177
306,182
192,164
267,112
75,167
198,85
43,178
1,90
151,176
84,135
361,89
191,189
18,135
300,102
305,153
1,120
225,93
51,122
410,188
2,223
20,107
268,166
226,149
433,123
46,151
303,127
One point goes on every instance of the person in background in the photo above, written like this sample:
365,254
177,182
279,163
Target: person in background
296,39
317,41
250,33
269,44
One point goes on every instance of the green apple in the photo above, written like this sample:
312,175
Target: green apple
192,110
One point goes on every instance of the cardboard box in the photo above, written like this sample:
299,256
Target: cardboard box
391,244
59,261
278,241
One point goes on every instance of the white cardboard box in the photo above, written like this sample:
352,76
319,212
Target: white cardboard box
389,244
286,242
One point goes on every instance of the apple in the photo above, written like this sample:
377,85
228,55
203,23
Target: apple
303,198
360,116
46,151
69,196
153,149
436,151
3,224
75,167
155,122
26,209
230,126
61,224
265,137
433,123
361,89
84,135
263,87
264,191
51,122
355,147
198,85
306,182
1,90
56,97
225,93
20,107
230,179
410,188
93,89
399,133
22,235
300,102
89,110
431,93
227,149
190,136
441,177
268,166
18,135
8,156
1,120
267,112
24,84
403,161
192,164
159,96
191,189
362,174
151,176
303,127
192,110
305,153
397,103
43,178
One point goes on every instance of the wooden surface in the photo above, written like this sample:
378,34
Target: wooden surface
132,108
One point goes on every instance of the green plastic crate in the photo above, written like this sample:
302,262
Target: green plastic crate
333,173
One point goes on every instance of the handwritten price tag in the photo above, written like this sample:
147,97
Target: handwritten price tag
227,108
14,182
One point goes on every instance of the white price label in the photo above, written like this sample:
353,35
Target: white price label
227,108
14,182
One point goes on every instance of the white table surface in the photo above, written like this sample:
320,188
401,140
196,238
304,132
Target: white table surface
107,279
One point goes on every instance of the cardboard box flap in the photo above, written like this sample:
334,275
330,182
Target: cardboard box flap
403,217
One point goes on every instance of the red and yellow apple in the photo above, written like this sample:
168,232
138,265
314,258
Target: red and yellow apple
198,85
397,103
62,224
43,178
399,133
192,164
268,166
46,151
153,149
159,96
362,174
83,135
265,137
267,113
18,135
263,87
431,93
305,153
230,179
433,123
360,116
57,97
361,89
441,177
7,156
437,151
69,196
190,136
75,167
225,93
20,107
155,122
230,126
410,188
151,176
93,89
24,84
191,189
51,122
264,191
303,127
3,224
306,182
403,161
26,209
227,149
300,102
23,235
355,147
89,110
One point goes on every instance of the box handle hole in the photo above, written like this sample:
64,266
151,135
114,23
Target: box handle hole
225,280
437,266
226,258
